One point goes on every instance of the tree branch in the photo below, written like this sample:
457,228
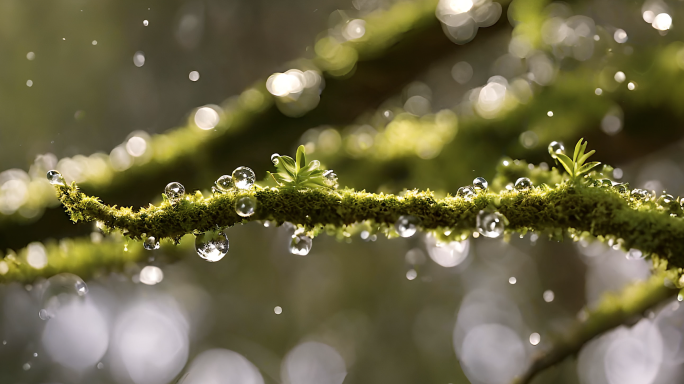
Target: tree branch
623,308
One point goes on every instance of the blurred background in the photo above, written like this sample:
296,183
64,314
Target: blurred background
428,100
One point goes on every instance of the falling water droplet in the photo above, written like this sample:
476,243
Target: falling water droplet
60,290
331,178
100,365
480,184
406,225
151,243
146,23
55,178
523,184
26,366
634,254
548,296
535,338
300,245
224,183
556,148
411,274
243,178
277,310
490,224
275,158
174,191
212,245
245,206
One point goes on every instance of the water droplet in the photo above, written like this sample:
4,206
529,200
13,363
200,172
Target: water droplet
411,274
548,296
277,310
606,183
300,245
26,366
275,158
146,23
512,280
640,194
556,148
331,178
224,183
634,254
100,365
490,224
622,187
174,191
245,206
466,192
523,184
151,243
535,338
55,178
212,245
407,225
58,291
151,275
35,354
243,178
480,184
666,200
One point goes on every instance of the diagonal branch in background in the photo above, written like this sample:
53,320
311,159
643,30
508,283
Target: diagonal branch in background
614,310
410,39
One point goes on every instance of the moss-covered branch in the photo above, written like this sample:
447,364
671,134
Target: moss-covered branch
629,220
613,310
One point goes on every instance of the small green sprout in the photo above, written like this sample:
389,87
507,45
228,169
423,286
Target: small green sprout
576,166
297,174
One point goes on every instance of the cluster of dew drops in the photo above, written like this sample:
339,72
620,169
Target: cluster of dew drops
213,245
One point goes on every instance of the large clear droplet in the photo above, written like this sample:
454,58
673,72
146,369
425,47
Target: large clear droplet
556,148
55,178
300,245
243,178
331,178
174,191
275,158
480,184
60,290
407,225
212,245
490,224
245,206
151,243
523,184
224,183
606,183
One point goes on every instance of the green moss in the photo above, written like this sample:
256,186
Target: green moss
554,210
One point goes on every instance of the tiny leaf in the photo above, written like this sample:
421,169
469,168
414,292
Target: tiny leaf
301,157
566,162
